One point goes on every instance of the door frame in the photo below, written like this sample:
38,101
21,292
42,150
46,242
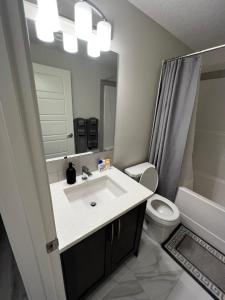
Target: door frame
14,216
24,189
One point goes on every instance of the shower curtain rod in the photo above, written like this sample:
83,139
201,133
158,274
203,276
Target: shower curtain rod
195,53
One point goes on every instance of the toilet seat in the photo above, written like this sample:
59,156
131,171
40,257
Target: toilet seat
162,210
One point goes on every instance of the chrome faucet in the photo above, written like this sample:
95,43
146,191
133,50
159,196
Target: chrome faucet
85,173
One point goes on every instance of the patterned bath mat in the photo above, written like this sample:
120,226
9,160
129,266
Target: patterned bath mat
201,260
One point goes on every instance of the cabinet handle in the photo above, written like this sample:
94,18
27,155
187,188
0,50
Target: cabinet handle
119,228
112,233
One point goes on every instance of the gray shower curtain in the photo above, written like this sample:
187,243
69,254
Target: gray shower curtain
174,107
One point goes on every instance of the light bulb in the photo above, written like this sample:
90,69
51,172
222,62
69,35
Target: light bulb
93,49
70,43
83,20
44,33
48,13
104,31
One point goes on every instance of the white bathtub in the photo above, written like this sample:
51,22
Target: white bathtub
205,217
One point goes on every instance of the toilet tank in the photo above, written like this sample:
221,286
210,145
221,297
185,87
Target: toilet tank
145,174
136,171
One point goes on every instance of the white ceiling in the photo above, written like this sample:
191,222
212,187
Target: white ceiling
199,24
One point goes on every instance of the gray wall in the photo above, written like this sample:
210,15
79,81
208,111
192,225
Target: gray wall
142,44
86,74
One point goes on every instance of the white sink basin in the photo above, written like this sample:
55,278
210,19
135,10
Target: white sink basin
93,194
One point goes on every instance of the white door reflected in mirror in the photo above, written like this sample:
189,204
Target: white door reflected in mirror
53,88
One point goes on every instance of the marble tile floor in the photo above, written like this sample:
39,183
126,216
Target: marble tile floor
153,275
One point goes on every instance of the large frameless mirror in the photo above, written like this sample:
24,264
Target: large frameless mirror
76,95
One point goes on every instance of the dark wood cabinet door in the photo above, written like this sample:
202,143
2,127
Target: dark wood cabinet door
84,265
125,231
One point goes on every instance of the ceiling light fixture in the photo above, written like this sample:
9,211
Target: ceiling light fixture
83,20
47,21
104,31
48,13
43,32
93,48
70,43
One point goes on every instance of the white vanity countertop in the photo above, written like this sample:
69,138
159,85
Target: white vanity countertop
72,226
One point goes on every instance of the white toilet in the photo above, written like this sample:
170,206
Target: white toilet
162,216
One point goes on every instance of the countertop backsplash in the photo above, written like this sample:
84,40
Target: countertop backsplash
56,167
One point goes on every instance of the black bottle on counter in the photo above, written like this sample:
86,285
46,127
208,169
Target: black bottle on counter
71,174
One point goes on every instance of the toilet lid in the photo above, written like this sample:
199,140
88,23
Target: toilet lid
150,179
162,210
137,170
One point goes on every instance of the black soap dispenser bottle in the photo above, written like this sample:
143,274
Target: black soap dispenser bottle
71,174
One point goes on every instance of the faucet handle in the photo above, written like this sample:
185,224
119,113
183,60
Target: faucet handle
86,171
84,177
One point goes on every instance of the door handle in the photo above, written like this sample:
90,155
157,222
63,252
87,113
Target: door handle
70,135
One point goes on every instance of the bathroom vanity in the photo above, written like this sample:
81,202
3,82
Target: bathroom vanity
90,261
98,224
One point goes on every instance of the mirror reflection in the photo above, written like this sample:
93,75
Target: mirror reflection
76,97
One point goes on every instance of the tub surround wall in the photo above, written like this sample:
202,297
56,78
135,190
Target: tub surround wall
56,167
210,186
208,155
